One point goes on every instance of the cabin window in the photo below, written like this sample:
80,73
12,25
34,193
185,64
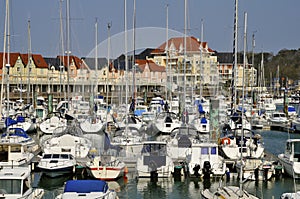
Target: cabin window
204,151
297,148
64,156
10,186
213,151
55,156
15,149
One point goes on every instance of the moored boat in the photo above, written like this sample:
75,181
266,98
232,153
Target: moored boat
55,165
290,159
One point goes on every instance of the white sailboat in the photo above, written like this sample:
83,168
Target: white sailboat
232,192
94,123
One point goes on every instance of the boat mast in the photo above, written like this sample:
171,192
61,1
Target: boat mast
6,61
29,64
133,56
68,49
95,89
62,62
167,54
243,96
184,63
234,69
126,63
201,58
108,63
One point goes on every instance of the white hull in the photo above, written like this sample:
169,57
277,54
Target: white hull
55,165
48,126
90,127
106,168
291,168
79,147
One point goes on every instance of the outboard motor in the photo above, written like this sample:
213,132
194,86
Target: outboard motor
196,170
206,170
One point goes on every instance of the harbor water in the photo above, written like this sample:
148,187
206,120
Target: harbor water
188,188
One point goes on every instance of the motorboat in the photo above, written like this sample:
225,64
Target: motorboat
86,189
106,167
15,182
67,140
17,148
278,118
154,161
290,159
55,165
245,140
204,161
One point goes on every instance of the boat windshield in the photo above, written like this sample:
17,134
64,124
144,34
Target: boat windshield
9,186
297,147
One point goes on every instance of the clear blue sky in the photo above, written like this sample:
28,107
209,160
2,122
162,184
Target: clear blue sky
276,22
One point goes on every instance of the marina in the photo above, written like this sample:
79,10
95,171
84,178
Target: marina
183,187
178,120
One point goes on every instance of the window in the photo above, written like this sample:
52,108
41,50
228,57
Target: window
204,151
213,151
11,186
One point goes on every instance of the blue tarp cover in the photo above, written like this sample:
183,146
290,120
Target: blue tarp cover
86,186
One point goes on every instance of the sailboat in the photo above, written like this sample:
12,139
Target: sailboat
129,138
232,192
94,123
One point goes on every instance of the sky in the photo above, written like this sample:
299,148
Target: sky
275,24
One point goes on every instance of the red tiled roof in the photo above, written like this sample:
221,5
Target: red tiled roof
78,62
152,66
38,60
12,58
192,45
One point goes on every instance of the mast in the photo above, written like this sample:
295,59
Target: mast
62,62
243,96
29,64
234,69
96,58
167,53
184,63
201,57
126,64
108,63
252,76
68,48
6,61
133,57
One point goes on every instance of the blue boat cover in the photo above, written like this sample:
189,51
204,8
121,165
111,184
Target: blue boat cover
139,112
203,120
86,186
9,121
200,109
291,109
20,118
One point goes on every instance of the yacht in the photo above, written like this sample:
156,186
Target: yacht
290,159
16,183
67,140
55,165
86,189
